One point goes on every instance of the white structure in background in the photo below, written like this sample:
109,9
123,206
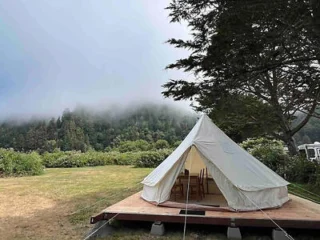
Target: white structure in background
311,151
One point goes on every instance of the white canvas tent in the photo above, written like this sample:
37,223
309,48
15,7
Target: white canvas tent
244,181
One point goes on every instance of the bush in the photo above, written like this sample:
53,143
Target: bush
176,144
269,152
50,160
152,159
161,144
131,146
77,159
20,164
301,170
294,169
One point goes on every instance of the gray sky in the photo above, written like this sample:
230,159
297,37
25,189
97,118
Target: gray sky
61,53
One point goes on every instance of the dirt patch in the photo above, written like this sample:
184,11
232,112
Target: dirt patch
35,217
23,206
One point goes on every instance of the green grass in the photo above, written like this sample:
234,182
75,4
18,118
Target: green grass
69,196
59,203
305,191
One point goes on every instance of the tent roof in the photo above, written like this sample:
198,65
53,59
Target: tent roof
239,167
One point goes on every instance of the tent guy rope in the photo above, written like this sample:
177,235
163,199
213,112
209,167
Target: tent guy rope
100,200
304,197
187,202
267,215
314,194
91,234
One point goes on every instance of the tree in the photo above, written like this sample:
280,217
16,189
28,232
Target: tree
268,50
50,146
52,129
83,129
243,117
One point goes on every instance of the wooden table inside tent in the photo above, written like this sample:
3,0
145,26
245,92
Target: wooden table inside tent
193,177
186,177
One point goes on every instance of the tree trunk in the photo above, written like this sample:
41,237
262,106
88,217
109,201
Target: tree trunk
290,144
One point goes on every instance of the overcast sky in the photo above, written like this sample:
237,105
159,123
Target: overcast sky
62,53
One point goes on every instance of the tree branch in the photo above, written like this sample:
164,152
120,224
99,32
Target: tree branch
312,115
307,118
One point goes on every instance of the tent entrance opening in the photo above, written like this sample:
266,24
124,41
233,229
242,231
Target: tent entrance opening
202,188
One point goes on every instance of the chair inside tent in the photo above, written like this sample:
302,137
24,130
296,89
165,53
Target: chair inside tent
196,183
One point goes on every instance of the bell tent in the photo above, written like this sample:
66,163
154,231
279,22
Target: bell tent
243,181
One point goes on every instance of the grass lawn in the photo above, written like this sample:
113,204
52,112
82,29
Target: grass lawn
41,207
58,204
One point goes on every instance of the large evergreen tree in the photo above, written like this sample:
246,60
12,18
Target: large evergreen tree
267,50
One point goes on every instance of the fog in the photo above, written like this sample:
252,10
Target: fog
62,54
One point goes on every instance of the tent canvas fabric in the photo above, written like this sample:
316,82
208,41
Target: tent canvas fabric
245,182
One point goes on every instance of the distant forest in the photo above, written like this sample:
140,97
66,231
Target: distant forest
83,129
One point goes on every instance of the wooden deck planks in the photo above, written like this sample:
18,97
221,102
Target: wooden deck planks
297,213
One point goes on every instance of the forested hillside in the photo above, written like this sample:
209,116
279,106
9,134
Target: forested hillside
309,133
83,129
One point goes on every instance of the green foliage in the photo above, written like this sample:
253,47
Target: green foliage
242,117
311,132
71,159
50,145
133,146
301,170
269,152
251,144
176,144
161,144
152,159
255,50
19,164
131,129
295,169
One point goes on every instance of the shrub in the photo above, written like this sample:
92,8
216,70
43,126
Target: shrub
29,164
92,158
19,164
176,144
131,146
152,159
269,152
51,160
77,159
294,169
301,170
161,144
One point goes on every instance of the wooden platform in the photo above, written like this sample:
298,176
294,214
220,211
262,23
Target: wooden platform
297,213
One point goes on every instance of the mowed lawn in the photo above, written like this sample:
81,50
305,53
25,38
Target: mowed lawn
58,204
